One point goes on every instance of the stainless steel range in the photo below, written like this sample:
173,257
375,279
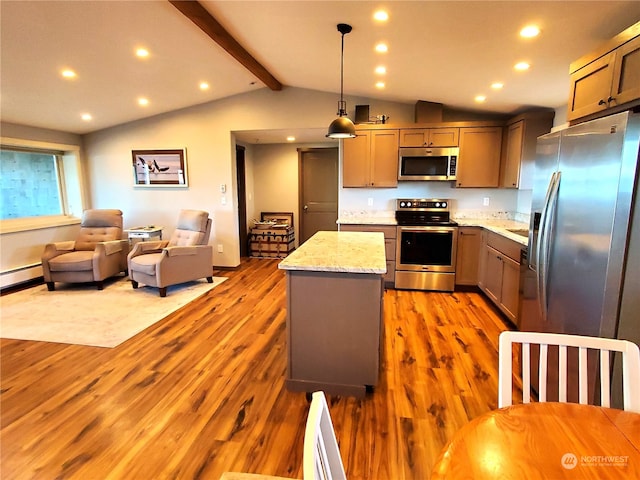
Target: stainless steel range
426,245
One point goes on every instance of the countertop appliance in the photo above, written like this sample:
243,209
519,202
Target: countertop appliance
426,245
425,163
584,240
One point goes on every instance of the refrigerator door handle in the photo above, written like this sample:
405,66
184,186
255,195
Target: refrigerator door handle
535,260
545,243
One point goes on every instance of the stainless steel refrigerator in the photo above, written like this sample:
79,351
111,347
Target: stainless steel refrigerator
584,237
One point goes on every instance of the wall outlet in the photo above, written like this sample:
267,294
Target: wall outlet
223,188
370,202
485,201
220,248
223,200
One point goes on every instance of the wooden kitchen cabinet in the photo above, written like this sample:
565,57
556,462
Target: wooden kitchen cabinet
606,79
371,159
429,137
390,235
468,255
500,273
479,157
519,149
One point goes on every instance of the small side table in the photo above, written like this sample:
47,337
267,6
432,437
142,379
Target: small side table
144,233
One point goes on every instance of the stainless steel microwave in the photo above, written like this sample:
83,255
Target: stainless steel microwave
423,163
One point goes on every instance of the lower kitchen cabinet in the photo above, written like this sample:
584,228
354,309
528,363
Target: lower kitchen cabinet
500,273
390,234
468,255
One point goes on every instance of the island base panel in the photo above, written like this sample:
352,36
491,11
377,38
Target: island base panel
334,329
357,391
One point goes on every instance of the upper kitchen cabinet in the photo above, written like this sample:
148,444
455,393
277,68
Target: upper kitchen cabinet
371,159
519,150
607,80
429,137
479,157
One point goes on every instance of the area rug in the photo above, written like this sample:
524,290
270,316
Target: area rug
80,314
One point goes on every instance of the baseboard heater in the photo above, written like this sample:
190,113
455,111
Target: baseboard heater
15,276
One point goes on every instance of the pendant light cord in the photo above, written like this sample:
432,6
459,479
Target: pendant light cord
341,75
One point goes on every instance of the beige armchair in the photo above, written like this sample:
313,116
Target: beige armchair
185,257
99,252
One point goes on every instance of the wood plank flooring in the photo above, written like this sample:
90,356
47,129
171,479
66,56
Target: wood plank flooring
202,392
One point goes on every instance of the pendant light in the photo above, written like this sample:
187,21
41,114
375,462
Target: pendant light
342,127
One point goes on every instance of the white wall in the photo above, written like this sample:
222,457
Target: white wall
205,132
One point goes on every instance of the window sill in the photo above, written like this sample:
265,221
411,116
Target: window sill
27,224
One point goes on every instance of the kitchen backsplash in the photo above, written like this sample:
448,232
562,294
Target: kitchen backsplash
468,214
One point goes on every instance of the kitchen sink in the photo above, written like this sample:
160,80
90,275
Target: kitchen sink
519,231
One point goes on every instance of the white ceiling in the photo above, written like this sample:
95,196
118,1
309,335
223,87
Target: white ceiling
439,51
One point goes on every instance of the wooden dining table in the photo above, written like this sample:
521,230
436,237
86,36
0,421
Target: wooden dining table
544,441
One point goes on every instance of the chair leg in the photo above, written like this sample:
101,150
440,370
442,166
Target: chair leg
134,284
100,285
210,279
163,291
50,286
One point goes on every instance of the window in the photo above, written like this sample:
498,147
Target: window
41,185
30,184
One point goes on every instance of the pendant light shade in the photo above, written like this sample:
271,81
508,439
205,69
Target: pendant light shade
342,127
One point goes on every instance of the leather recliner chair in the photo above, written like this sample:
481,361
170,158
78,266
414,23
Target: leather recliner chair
99,252
185,257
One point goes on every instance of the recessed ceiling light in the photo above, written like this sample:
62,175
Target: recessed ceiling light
521,66
86,117
291,138
530,31
204,86
143,101
142,52
480,98
68,73
381,16
381,70
380,85
382,48
497,85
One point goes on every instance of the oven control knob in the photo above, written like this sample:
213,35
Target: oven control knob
409,204
437,204
444,204
402,204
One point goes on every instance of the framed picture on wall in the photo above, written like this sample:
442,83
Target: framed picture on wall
159,168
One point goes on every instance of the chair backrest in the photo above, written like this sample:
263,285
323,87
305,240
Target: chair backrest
584,345
193,228
99,226
321,455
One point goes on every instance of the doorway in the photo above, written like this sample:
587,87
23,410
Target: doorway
242,202
318,196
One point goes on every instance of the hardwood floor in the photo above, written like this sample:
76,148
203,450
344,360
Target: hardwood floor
202,392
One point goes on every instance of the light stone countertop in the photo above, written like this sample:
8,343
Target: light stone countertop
347,252
499,226
367,221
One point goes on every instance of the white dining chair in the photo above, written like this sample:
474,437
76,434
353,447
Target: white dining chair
630,366
321,455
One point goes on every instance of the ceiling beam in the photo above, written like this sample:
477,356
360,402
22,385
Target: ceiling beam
195,12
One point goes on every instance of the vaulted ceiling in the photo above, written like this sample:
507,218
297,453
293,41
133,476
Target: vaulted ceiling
439,51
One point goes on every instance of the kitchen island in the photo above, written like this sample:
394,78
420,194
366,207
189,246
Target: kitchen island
334,312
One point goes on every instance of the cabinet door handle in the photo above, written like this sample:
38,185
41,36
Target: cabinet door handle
602,102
